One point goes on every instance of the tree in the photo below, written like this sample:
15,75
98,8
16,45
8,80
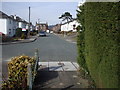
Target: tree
66,16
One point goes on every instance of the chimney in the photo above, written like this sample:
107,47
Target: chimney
15,17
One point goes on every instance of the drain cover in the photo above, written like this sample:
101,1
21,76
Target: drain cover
62,64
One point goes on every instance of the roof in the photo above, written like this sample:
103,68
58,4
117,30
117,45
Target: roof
3,15
69,21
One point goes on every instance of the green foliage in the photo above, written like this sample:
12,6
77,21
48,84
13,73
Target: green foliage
66,16
102,42
6,39
18,32
81,39
23,36
17,72
33,33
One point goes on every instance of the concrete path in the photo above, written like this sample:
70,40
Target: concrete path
59,66
59,75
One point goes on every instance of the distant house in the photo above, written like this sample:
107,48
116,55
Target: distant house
7,24
70,26
56,28
41,26
21,23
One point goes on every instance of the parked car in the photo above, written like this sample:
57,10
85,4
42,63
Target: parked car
42,33
51,31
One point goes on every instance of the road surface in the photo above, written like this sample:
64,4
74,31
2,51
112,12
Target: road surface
51,48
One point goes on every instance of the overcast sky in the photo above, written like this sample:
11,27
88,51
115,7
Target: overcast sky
45,11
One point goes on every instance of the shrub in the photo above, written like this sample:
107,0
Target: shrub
23,36
33,33
6,39
102,42
17,72
18,32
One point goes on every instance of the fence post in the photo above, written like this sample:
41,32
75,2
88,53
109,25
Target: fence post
37,59
29,77
36,62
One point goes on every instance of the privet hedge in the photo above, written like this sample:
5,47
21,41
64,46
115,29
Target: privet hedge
102,42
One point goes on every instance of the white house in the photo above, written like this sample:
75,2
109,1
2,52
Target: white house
7,24
22,24
70,26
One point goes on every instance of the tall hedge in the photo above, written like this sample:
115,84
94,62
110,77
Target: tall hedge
102,42
81,40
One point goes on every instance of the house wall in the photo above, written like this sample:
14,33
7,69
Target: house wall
69,26
8,26
22,25
65,27
3,27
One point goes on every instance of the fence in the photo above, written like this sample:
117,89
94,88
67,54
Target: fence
31,77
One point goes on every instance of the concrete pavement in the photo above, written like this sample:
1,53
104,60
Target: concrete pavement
59,66
59,75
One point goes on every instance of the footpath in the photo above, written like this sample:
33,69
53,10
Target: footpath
30,39
59,75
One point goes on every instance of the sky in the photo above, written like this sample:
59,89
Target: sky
44,11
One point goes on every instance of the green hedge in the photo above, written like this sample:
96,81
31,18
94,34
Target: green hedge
81,40
102,42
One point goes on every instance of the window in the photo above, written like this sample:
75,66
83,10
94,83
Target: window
9,31
74,27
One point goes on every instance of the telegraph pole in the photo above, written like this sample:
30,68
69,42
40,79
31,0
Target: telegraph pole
29,24
39,25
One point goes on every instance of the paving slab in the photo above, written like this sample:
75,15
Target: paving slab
76,65
68,66
43,66
60,75
54,66
59,66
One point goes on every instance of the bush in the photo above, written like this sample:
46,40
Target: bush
33,33
17,72
18,32
102,42
23,36
6,39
